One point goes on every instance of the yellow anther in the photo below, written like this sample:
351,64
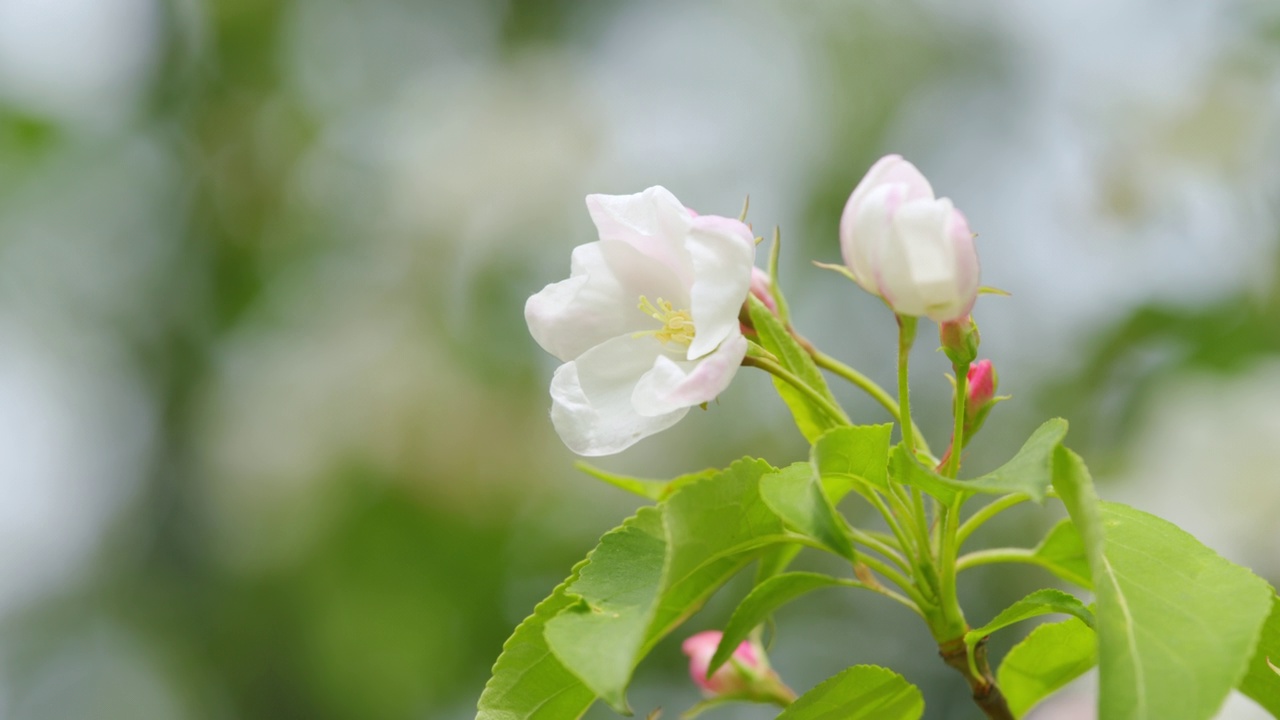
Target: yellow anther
677,325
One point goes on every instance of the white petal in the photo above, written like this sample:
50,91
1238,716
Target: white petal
675,384
723,254
890,170
591,398
653,222
600,299
928,257
968,270
866,235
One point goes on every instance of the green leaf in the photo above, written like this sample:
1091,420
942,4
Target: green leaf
715,528
1040,602
1062,553
1261,682
599,636
528,681
762,601
796,496
862,692
650,489
773,336
649,575
721,516
1053,655
908,471
1030,471
848,456
1177,624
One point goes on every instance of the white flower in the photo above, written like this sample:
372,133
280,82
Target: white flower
900,243
647,323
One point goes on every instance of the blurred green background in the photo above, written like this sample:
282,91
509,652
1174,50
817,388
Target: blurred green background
273,436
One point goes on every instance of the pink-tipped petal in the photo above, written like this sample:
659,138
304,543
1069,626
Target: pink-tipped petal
674,384
761,288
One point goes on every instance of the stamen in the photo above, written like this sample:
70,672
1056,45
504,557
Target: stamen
677,325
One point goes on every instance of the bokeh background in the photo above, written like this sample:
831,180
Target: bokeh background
273,436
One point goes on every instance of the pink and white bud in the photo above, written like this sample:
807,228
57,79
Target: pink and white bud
906,246
735,676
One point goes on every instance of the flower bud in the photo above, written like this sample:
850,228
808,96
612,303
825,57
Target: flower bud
982,383
746,675
906,246
733,677
959,340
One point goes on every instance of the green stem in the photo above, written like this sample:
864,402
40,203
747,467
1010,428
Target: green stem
947,559
987,512
895,577
882,590
862,382
904,540
998,555
906,337
879,546
957,434
790,378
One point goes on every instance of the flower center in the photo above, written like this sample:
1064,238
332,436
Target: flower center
677,325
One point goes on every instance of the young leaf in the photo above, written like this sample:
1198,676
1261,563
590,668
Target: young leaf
812,420
528,681
721,516
1053,655
906,470
1040,602
599,636
649,575
1176,622
862,692
762,601
650,489
796,496
1262,681
1030,471
714,529
1062,553
848,456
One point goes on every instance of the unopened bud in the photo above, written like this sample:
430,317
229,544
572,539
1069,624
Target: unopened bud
959,340
982,382
746,675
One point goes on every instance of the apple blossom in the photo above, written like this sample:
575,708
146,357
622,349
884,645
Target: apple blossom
646,323
909,248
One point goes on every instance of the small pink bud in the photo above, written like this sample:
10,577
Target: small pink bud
982,382
760,288
732,677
